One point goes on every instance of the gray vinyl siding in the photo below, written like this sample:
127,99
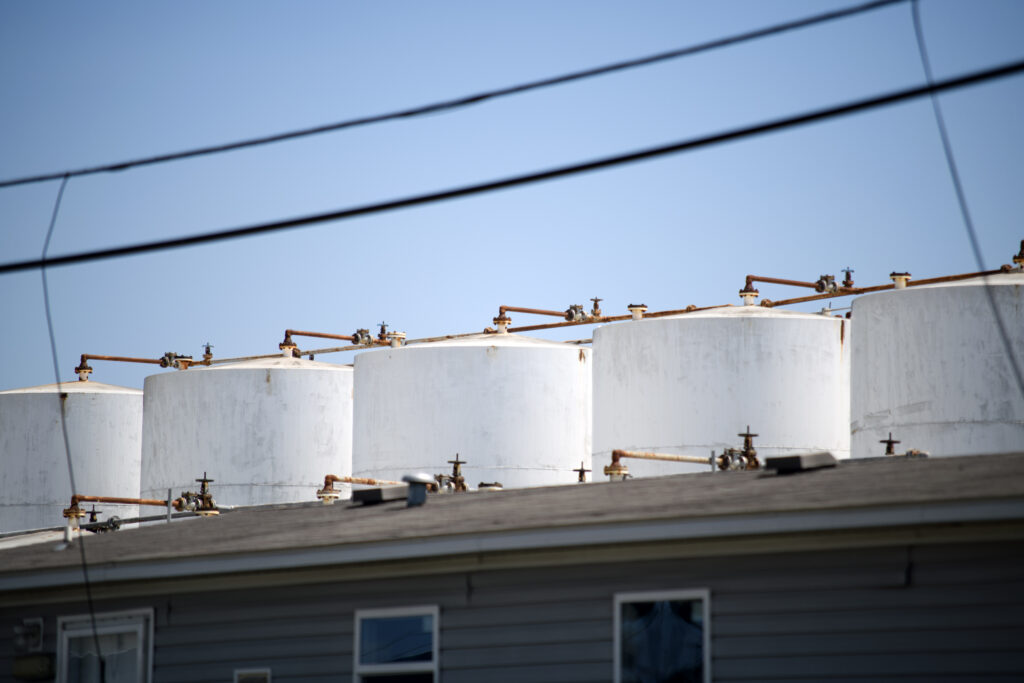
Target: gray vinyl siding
922,613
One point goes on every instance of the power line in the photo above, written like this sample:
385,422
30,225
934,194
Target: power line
961,198
1001,71
457,103
64,424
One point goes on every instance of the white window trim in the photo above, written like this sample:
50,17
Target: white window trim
433,666
702,594
139,621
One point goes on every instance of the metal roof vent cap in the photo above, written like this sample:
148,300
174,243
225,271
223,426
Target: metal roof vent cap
804,462
417,488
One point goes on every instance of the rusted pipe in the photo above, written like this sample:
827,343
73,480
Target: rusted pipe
751,279
850,291
322,335
331,479
76,499
615,318
643,455
122,359
502,310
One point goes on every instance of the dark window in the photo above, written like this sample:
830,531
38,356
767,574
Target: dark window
662,638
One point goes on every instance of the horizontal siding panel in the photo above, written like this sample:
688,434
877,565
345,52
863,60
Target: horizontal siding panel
222,672
808,665
593,672
536,653
272,648
881,641
777,602
517,634
891,619
339,625
538,613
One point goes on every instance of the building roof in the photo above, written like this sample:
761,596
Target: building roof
857,494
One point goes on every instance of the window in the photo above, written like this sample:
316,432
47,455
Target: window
125,641
662,636
397,645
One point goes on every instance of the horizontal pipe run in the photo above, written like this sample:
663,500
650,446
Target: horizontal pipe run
322,335
751,279
502,310
215,361
76,499
122,359
615,318
848,291
642,455
332,478
376,344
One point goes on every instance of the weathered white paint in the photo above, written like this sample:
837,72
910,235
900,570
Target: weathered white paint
516,409
104,424
267,431
930,366
689,384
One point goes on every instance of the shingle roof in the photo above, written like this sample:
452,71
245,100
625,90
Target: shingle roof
740,497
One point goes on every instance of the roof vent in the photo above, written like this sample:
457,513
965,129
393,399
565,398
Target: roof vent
382,494
789,464
417,488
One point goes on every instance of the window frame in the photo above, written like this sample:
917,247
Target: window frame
138,621
432,667
702,594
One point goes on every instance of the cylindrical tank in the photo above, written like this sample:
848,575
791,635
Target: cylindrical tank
689,384
516,409
930,366
104,426
266,431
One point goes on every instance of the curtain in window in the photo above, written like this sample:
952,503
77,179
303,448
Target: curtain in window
120,653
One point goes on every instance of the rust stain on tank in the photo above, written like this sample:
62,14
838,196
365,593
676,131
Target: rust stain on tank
842,331
583,356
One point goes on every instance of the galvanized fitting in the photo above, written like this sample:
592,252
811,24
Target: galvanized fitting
361,337
900,280
575,314
396,339
637,310
826,284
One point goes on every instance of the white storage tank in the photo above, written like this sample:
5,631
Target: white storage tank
266,430
930,366
689,384
516,409
104,425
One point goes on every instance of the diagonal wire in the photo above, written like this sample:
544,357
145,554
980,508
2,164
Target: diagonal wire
63,418
961,198
1001,71
468,100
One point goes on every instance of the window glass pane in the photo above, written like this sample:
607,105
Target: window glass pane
663,641
120,655
387,640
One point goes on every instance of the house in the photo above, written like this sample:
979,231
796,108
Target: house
901,568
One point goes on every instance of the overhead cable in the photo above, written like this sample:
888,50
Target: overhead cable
459,102
59,398
975,77
961,197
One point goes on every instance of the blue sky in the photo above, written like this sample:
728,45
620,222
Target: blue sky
91,83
